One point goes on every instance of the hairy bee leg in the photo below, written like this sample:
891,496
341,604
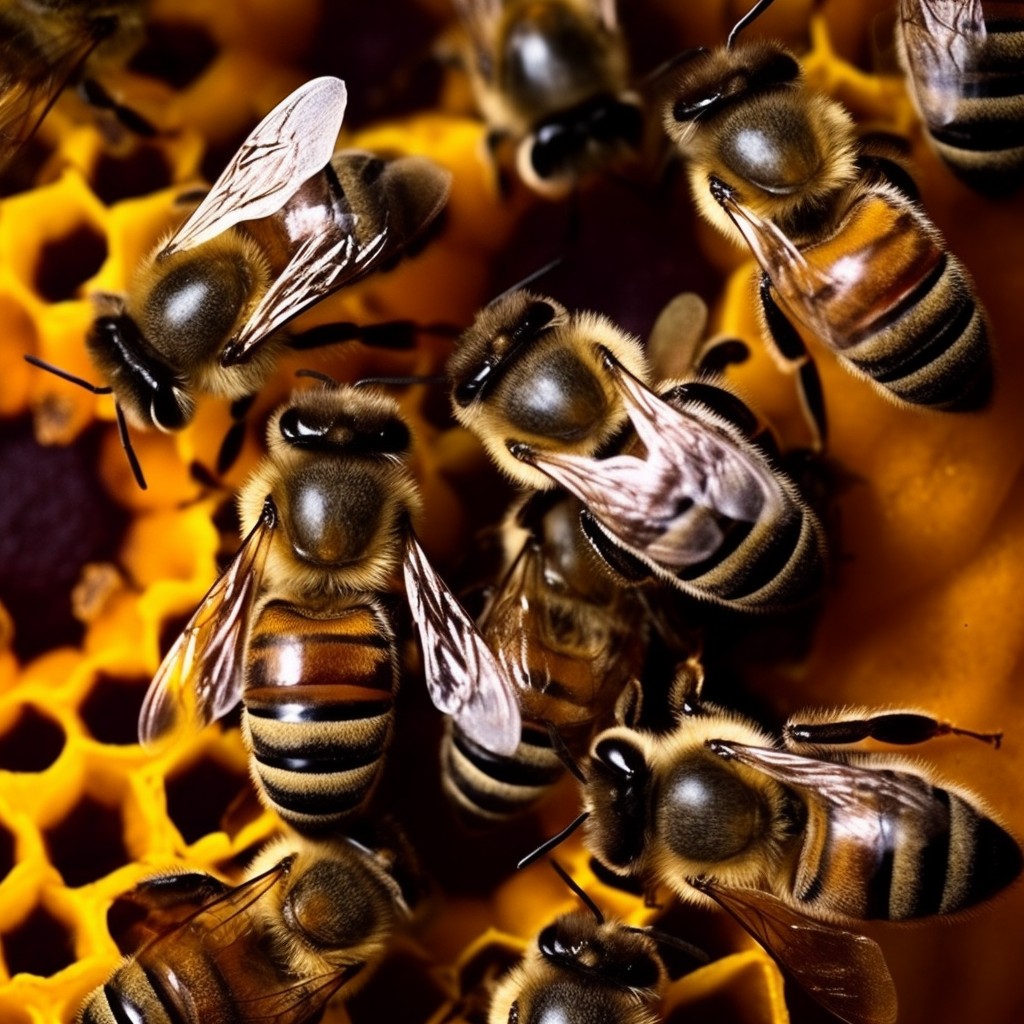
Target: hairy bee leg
899,727
792,348
231,446
93,93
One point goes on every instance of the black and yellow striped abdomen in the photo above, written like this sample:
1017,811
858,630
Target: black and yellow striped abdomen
318,707
935,855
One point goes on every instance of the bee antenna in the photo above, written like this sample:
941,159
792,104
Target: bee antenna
317,375
397,382
577,889
549,844
64,375
526,281
752,15
126,444
563,754
664,939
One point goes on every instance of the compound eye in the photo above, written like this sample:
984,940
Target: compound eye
295,429
166,411
549,943
622,758
393,437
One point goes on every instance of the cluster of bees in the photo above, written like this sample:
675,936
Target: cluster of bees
646,483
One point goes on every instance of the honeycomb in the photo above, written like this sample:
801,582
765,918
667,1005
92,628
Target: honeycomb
97,577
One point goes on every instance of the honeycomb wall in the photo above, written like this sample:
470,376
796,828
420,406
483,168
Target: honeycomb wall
923,610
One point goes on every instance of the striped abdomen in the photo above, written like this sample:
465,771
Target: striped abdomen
318,709
971,98
487,787
901,309
937,857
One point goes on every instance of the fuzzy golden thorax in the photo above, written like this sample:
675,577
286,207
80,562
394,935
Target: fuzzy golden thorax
527,371
337,470
747,117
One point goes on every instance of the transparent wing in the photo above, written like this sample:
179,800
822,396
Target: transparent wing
664,506
944,39
673,345
463,678
294,141
27,92
409,194
842,970
201,677
480,19
856,792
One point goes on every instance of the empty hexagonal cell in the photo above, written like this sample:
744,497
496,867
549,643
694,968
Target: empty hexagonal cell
88,842
199,798
111,709
177,54
41,945
6,852
32,742
66,263
144,170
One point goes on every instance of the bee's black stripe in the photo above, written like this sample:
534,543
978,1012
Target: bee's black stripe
509,770
318,764
324,711
932,865
315,804
123,1011
267,641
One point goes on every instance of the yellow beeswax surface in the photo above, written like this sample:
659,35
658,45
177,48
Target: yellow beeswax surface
923,608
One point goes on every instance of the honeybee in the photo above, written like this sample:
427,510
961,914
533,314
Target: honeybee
796,840
843,249
309,924
46,43
288,222
300,626
567,635
686,496
962,59
552,76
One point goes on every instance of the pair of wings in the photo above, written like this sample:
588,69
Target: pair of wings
199,912
203,675
657,507
25,98
842,970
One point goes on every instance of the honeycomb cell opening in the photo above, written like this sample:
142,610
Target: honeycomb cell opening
88,843
111,709
66,263
7,848
141,172
40,945
176,54
201,797
31,743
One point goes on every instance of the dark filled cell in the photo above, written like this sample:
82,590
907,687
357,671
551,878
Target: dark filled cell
142,171
32,743
111,710
39,945
55,518
6,852
198,798
88,843
176,54
66,263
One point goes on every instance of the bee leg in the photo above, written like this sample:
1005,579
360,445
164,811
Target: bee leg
97,96
792,348
619,562
687,687
898,727
231,446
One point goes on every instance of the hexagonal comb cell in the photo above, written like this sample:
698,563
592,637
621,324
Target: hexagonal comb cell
6,852
199,797
142,171
88,843
110,711
39,945
177,54
66,263
32,742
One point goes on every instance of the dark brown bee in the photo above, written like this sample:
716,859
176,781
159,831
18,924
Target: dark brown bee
309,925
45,44
683,493
300,626
798,839
567,635
963,60
845,251
552,76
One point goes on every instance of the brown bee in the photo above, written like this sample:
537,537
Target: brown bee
963,61
309,925
797,840
44,44
682,493
301,628
552,76
845,250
